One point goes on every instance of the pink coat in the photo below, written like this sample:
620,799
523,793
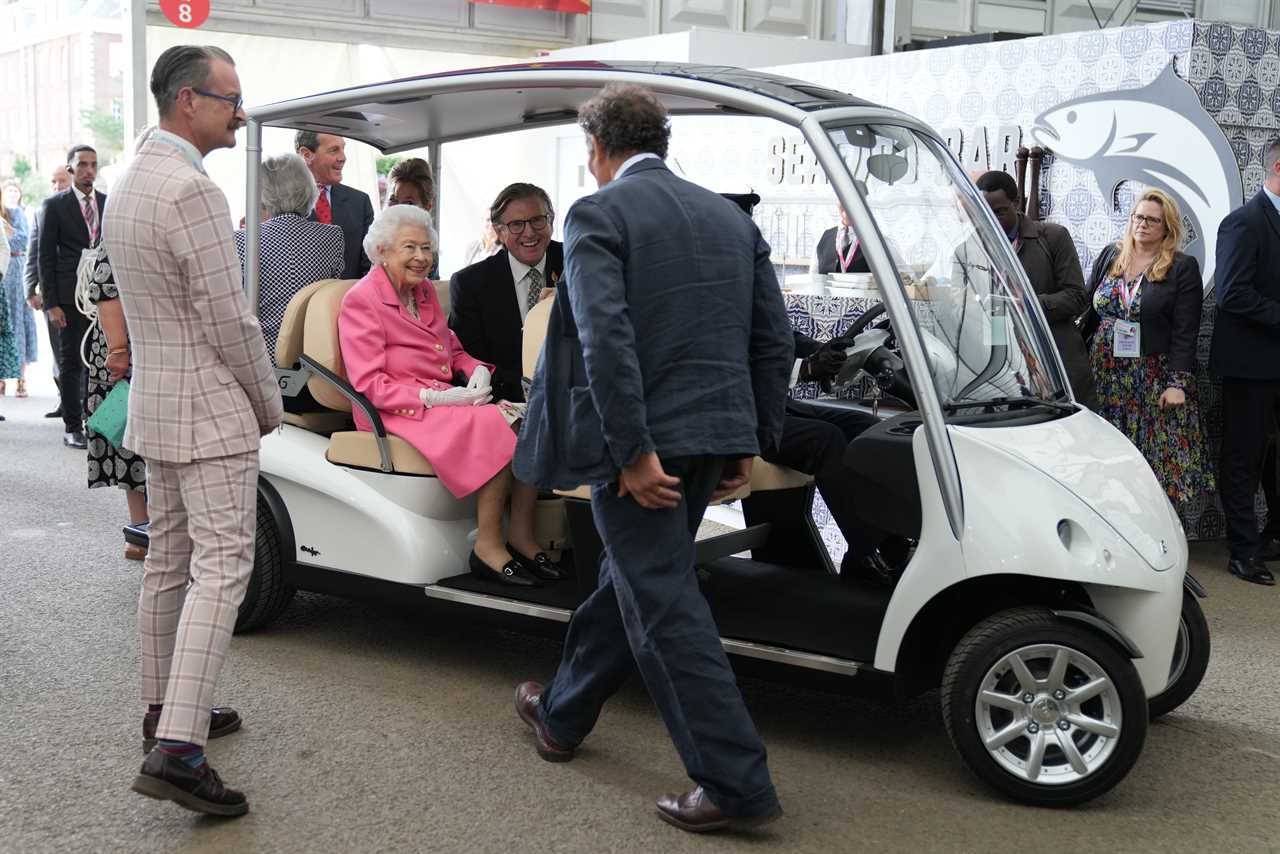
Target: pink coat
390,355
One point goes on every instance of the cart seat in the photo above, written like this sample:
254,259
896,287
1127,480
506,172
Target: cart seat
320,305
764,475
303,411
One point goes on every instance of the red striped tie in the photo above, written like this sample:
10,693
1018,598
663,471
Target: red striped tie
323,212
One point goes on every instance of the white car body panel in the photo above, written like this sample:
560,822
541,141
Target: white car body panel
1019,484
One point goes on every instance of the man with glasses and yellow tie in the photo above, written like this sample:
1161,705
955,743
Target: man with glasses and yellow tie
71,222
490,299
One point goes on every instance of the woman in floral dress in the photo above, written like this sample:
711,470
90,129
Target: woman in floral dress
8,349
108,359
21,317
1145,318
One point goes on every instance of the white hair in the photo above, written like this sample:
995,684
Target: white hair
385,225
288,186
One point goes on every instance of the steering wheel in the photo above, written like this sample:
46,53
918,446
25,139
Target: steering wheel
873,349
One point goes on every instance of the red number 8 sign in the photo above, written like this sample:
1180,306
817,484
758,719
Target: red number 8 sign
185,13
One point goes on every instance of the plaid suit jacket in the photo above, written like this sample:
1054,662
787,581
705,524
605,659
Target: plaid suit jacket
202,384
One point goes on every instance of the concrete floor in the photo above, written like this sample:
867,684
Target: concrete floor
371,728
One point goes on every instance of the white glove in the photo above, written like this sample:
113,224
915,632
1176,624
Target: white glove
456,396
480,378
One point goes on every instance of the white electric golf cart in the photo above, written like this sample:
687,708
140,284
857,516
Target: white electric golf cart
1043,585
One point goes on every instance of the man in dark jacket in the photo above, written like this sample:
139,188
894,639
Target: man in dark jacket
490,299
338,204
58,181
664,372
1053,268
70,223
1246,354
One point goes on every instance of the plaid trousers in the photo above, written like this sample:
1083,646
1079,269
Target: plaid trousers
202,531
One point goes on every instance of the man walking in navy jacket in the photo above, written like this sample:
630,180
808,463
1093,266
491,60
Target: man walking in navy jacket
660,410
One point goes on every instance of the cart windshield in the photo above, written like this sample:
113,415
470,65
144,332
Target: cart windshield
967,291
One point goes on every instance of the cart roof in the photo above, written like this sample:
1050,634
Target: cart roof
415,111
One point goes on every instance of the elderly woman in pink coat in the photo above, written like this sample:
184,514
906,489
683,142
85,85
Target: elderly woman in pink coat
401,355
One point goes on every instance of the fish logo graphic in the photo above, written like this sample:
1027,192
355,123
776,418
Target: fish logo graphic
1158,135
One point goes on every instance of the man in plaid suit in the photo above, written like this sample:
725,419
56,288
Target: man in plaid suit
203,393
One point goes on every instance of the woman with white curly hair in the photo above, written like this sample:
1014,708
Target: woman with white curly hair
400,354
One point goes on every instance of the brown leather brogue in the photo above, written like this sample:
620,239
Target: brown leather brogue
694,812
528,696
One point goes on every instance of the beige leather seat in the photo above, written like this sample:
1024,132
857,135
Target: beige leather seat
318,306
764,475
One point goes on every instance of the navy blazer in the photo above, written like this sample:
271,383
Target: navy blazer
486,318
1246,331
63,236
351,209
668,334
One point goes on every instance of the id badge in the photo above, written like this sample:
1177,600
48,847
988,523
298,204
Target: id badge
1126,340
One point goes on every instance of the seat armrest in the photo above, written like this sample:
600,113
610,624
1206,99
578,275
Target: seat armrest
359,401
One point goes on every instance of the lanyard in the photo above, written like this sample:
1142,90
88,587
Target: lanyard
846,260
1129,290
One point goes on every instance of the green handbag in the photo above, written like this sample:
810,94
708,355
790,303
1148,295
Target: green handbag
109,419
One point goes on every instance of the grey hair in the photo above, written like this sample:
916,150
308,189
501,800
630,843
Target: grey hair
307,139
392,219
1271,155
288,186
182,66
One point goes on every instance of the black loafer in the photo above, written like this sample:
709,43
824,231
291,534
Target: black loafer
222,721
165,777
512,573
540,565
1252,570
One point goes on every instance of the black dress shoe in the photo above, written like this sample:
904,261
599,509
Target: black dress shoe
540,565
1252,570
222,721
528,701
694,812
512,573
75,439
57,413
165,777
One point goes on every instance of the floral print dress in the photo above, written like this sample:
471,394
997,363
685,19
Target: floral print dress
1129,391
108,465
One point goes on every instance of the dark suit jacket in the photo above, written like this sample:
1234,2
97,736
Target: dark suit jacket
1246,330
31,273
668,334
829,256
1168,311
1053,267
352,210
63,236
486,317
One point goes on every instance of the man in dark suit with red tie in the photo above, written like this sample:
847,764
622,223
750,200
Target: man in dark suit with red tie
338,204
490,299
70,223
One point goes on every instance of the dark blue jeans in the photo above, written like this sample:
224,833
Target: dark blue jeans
647,608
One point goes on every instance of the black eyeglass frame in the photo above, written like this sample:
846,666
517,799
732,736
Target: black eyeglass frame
516,226
236,101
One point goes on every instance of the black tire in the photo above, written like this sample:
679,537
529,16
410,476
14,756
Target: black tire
985,645
1190,659
268,593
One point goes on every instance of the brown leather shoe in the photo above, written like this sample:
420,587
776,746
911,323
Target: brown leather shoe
694,812
528,696
222,721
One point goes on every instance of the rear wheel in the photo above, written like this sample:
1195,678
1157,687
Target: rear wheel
268,593
1046,711
1190,659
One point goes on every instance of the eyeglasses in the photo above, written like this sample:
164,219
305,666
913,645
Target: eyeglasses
236,101
516,226
1147,220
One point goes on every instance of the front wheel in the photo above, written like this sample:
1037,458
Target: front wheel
1048,712
1190,659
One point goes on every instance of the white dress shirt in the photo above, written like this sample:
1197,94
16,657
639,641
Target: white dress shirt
188,150
632,161
520,275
